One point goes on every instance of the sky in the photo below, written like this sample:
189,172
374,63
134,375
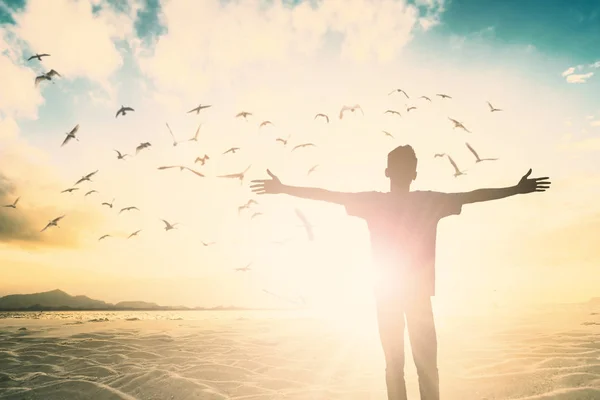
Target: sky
285,61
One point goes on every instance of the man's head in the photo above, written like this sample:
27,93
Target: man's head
402,165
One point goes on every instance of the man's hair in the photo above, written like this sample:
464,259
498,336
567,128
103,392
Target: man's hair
403,156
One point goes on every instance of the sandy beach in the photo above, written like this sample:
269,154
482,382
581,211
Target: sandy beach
552,354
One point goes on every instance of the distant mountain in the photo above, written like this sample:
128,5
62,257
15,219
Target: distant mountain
136,305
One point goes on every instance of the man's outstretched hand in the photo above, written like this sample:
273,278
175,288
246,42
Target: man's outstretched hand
527,185
267,186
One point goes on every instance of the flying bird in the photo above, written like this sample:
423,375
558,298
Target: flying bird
244,269
284,141
443,96
123,110
243,114
256,214
175,143
351,108
103,237
411,108
109,204
492,109
457,172
121,156
247,205
439,155
46,77
388,134
195,138
478,160
69,190
265,123
392,112
90,192
232,150
181,168
399,91
87,177
142,146
304,145
426,98
197,109
306,224
53,222
322,116
312,169
205,244
202,160
14,204
239,175
71,135
134,234
458,125
38,56
128,209
169,226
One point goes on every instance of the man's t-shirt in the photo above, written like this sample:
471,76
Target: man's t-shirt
403,233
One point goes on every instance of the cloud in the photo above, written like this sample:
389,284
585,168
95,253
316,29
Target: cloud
245,35
595,123
568,71
579,78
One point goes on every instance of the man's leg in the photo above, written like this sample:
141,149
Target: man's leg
390,317
421,330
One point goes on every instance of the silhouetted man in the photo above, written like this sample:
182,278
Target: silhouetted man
403,228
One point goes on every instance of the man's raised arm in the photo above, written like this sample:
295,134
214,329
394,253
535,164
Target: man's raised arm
525,185
274,186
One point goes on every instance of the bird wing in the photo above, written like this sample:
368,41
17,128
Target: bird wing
46,227
197,131
16,201
119,111
52,73
79,181
91,174
195,172
490,105
246,170
119,153
392,92
360,108
453,164
170,131
167,224
456,123
472,150
344,108
58,218
242,114
305,223
44,55
405,94
40,78
31,58
74,130
128,109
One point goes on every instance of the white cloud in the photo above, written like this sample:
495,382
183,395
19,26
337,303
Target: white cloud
579,78
595,65
568,71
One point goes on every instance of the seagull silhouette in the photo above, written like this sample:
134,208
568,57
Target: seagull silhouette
284,141
14,204
53,222
195,138
134,234
90,192
104,237
69,190
312,169
247,205
38,56
244,269
306,224
392,112
128,209
197,109
109,204
169,226
142,146
492,109
322,116
244,115
46,77
399,91
256,214
239,175
202,160
123,111
458,125
426,98
351,108
439,155
121,156
457,172
304,145
477,159
388,134
71,135
205,244
175,143
232,150
443,96
411,108
265,123
87,177
181,168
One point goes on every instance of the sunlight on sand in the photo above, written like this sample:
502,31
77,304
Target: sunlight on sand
553,353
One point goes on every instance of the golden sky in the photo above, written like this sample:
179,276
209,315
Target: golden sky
282,64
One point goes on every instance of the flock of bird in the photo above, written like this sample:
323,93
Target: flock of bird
124,110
